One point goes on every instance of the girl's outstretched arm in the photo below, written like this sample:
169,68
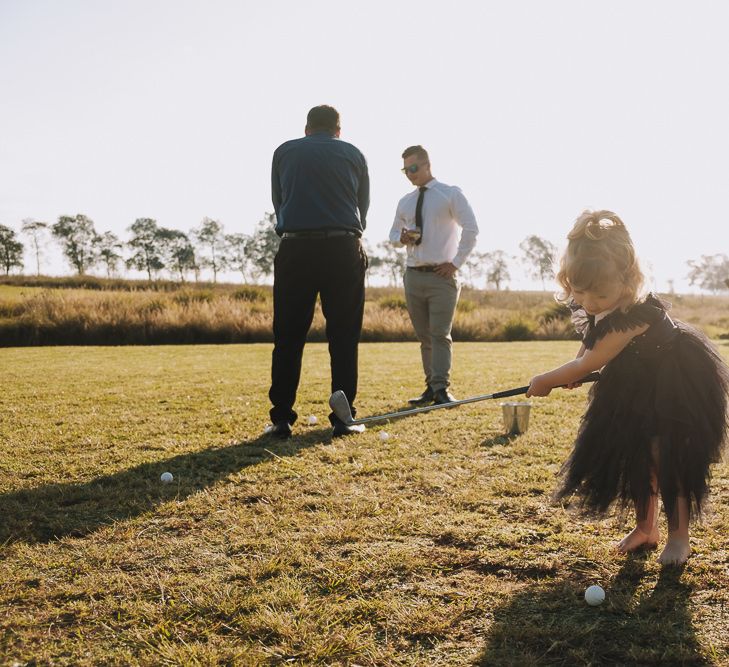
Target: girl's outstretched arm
580,352
604,350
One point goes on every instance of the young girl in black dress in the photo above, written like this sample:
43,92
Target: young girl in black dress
657,418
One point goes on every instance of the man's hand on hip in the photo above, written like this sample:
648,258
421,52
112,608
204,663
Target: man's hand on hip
446,270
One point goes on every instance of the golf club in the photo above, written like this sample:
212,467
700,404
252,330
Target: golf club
340,405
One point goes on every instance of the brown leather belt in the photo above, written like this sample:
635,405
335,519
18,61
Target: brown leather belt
427,267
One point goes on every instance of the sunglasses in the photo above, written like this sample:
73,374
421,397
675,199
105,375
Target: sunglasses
412,169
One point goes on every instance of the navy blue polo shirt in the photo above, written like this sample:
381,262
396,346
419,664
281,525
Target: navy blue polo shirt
319,182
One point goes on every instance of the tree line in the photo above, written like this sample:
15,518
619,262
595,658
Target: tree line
150,249
157,250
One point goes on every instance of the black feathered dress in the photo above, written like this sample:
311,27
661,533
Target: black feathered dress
669,385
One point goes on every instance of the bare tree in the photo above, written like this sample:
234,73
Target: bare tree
11,250
177,251
146,243
211,238
497,270
237,255
109,246
79,240
710,272
473,268
263,247
540,254
37,232
374,261
393,262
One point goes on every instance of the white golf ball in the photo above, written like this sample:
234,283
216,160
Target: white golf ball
312,420
166,477
384,435
594,595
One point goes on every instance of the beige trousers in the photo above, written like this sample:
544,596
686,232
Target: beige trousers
431,302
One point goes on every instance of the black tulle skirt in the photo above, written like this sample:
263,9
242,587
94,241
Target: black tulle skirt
668,404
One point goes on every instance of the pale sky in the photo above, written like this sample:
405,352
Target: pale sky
171,109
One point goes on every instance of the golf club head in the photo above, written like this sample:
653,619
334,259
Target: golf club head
340,406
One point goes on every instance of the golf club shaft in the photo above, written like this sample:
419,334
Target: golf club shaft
592,377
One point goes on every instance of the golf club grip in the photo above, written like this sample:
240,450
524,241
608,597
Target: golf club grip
592,377
510,392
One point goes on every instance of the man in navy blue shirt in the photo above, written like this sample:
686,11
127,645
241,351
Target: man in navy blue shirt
320,191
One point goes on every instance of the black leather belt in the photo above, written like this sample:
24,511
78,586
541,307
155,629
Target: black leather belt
427,267
319,234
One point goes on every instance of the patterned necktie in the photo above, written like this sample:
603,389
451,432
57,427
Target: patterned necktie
419,214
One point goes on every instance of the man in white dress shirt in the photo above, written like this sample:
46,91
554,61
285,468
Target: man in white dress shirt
437,226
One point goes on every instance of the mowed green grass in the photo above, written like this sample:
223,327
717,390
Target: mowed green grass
436,546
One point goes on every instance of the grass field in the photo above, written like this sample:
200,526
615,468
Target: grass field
437,546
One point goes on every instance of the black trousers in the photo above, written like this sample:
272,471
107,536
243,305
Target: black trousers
334,268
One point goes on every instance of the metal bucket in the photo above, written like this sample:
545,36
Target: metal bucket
516,417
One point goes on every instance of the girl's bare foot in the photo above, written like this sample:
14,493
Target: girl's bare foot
645,534
638,539
678,548
676,551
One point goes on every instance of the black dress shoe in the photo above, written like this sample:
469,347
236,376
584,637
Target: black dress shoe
340,429
441,396
281,430
425,397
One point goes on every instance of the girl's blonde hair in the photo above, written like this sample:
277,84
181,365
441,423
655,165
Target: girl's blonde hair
600,252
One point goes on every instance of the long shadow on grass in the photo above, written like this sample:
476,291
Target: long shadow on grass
52,511
551,624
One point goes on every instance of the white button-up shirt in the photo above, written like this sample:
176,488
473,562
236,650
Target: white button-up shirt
446,213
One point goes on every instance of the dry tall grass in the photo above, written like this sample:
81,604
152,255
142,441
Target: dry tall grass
235,314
